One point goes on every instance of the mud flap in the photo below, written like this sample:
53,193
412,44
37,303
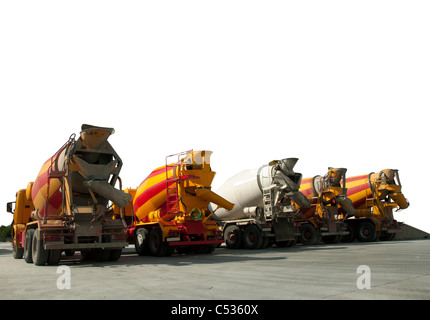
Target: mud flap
284,229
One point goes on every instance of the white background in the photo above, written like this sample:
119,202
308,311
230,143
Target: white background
334,83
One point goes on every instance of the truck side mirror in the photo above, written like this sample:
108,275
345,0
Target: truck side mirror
9,207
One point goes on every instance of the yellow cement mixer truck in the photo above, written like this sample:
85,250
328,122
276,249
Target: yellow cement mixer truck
323,220
69,205
375,196
170,207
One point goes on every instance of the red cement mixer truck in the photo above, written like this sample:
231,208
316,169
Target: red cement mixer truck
69,205
375,196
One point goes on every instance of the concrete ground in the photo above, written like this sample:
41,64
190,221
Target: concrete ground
392,270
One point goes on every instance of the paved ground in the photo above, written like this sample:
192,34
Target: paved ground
398,270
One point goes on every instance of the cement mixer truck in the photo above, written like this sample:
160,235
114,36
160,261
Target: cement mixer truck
375,196
69,206
264,206
323,219
170,208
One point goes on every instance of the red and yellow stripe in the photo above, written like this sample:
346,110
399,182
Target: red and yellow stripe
358,190
151,195
306,187
47,204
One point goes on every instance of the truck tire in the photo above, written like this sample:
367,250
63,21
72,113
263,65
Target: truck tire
387,237
28,239
157,247
88,254
266,242
69,252
17,253
54,257
366,231
285,244
141,241
102,254
39,254
351,236
332,239
308,234
115,254
206,248
252,237
233,237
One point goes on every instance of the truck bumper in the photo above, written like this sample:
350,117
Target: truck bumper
77,246
195,243
335,233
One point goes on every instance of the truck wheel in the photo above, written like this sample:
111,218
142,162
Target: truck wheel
103,254
206,248
40,255
17,253
387,236
366,231
308,234
285,244
28,239
252,237
233,237
88,254
54,257
185,250
156,245
211,248
115,254
141,241
69,252
266,242
351,236
332,239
